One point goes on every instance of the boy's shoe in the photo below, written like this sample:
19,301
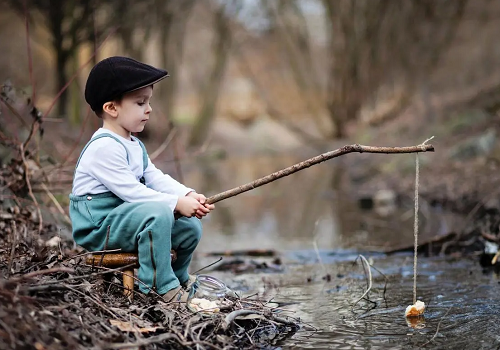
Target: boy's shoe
187,285
176,295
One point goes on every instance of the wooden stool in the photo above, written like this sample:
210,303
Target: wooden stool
117,260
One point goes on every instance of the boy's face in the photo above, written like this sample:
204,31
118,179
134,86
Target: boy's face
134,110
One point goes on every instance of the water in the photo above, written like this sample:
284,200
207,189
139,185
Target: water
459,298
462,300
319,207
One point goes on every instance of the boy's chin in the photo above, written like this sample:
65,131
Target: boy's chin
139,128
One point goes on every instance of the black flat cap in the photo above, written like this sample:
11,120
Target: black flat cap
115,76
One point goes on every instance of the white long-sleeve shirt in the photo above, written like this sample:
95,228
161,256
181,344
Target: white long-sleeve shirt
104,167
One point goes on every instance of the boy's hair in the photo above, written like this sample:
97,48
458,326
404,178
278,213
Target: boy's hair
112,77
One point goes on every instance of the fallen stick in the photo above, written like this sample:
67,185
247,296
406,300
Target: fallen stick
434,241
364,261
232,316
495,258
245,252
42,272
437,328
315,160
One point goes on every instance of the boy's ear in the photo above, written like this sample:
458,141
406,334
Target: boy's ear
110,108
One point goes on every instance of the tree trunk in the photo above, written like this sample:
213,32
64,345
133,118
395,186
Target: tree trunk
338,119
74,92
56,17
172,47
212,89
62,79
168,62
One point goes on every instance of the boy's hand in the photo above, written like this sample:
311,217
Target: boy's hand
202,199
191,205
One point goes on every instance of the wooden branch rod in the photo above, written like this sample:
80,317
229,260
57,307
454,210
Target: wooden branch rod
315,160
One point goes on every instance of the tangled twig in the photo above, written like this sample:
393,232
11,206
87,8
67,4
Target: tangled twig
363,259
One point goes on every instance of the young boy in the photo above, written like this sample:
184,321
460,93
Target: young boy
119,198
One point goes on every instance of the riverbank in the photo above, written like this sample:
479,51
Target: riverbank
50,299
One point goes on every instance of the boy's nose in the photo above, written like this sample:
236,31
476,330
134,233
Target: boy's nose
149,109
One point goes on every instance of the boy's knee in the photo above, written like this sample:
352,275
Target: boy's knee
157,211
195,229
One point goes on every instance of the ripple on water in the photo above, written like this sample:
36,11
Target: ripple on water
460,299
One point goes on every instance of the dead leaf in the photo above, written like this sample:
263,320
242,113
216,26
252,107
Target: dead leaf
127,327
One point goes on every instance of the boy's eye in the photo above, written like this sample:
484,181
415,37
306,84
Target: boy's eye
141,103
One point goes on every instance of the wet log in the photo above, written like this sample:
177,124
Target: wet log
246,252
437,241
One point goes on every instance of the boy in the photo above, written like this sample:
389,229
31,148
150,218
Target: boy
119,198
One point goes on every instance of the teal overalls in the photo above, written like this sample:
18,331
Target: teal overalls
104,221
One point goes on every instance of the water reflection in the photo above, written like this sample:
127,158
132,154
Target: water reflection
282,214
462,301
223,216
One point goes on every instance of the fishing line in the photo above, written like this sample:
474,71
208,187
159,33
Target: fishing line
415,223
415,230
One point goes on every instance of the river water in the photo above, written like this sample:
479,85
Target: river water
314,222
461,299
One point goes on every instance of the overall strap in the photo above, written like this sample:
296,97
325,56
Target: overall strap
144,154
96,138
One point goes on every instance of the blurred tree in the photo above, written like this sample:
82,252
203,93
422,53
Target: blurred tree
290,27
210,92
70,24
371,46
377,42
134,22
172,16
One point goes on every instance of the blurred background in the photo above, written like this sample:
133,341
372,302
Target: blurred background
258,85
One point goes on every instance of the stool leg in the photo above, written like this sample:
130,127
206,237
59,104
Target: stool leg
128,283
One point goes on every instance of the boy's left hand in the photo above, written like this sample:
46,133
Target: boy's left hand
203,200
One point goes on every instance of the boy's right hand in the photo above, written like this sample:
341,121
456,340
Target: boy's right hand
190,207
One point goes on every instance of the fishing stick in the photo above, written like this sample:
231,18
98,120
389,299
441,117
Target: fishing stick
313,161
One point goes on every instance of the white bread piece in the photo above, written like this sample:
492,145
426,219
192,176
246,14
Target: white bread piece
204,305
416,309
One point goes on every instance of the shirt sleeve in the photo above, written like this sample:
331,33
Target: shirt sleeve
158,181
114,173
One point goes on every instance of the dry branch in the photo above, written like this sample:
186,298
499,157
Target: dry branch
315,160
370,282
